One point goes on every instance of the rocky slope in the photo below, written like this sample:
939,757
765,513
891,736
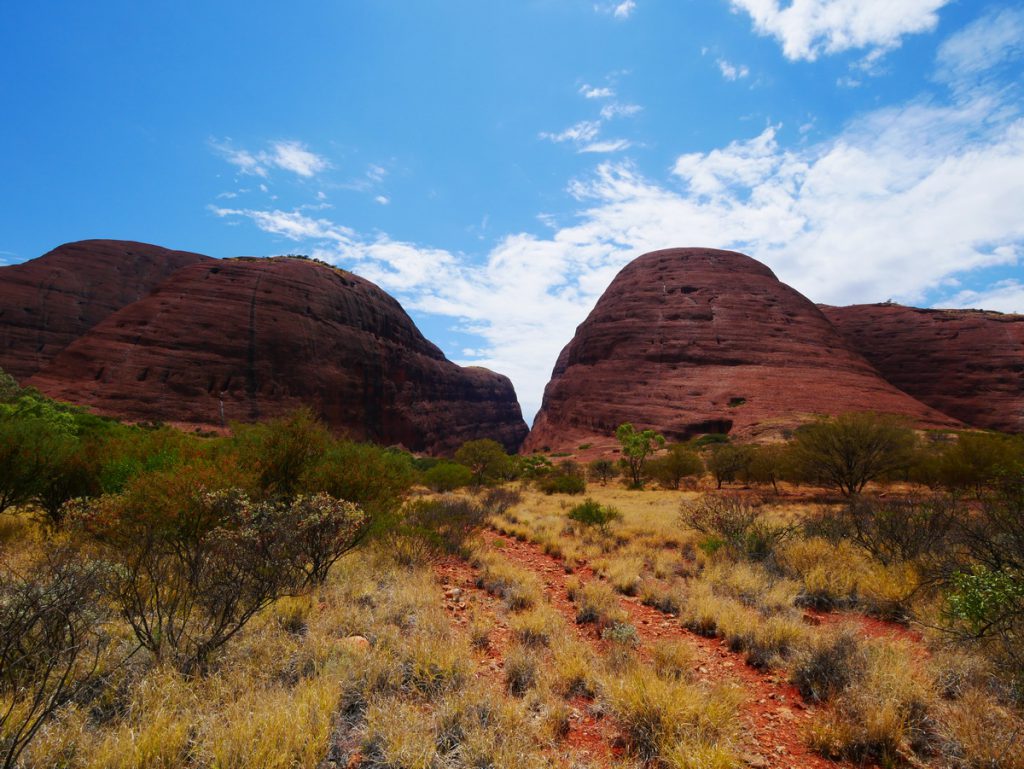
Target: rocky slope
247,339
966,363
47,303
692,340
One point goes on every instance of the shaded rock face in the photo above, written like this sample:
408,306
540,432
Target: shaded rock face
47,303
966,363
249,339
691,340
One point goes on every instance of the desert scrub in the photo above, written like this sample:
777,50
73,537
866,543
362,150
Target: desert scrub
673,659
470,728
666,720
537,626
664,598
829,574
522,669
596,602
521,589
624,573
571,672
752,584
885,712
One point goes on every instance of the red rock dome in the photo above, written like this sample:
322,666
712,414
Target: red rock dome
696,340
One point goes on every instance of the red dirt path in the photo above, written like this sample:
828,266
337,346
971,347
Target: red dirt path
774,713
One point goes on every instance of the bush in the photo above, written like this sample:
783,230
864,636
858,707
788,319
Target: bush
374,478
486,460
448,521
592,513
827,666
27,450
726,462
678,463
567,478
499,501
447,476
602,470
282,451
193,566
50,642
735,523
852,449
902,530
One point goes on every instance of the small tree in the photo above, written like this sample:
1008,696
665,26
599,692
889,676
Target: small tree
636,447
678,463
726,462
193,566
768,464
602,470
854,448
50,642
282,451
28,447
485,458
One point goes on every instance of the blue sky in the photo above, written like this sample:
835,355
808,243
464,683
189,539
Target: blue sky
493,164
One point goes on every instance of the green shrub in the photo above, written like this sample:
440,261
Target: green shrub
447,476
592,513
486,460
679,462
567,478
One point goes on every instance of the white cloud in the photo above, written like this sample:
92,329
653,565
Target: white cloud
287,155
608,145
614,110
902,204
984,44
620,10
382,199
1003,296
596,92
732,71
293,156
583,131
808,28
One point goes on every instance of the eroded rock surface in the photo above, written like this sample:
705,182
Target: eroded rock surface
47,303
966,363
247,339
693,340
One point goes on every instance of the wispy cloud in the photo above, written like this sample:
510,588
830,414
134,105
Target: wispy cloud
809,28
983,46
609,145
596,92
732,71
614,110
583,131
619,10
289,155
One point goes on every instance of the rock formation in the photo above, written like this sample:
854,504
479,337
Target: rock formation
965,363
47,303
247,339
692,340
